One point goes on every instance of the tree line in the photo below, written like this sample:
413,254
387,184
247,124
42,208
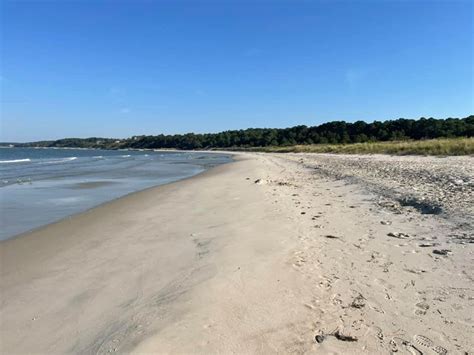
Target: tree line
336,132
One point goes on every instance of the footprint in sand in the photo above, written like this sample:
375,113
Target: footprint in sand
424,341
300,259
397,344
325,283
377,332
428,343
422,308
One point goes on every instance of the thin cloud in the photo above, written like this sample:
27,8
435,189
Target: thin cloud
115,91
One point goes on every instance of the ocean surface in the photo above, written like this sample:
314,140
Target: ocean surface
40,186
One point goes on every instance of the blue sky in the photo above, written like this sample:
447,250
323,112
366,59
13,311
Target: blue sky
122,68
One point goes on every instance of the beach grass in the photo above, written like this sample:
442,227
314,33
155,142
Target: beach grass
442,147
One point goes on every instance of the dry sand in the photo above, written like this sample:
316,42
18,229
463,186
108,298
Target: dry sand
221,264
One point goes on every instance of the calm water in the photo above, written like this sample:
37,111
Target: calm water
40,186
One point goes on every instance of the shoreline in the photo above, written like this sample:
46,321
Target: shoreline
35,249
260,255
119,198
231,155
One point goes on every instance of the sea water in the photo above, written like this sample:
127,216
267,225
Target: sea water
40,186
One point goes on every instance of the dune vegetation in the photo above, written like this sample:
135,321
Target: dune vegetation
444,146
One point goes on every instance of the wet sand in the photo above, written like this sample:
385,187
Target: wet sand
262,255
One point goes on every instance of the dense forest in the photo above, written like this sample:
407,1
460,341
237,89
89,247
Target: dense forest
337,132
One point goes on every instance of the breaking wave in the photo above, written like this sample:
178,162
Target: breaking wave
57,161
15,161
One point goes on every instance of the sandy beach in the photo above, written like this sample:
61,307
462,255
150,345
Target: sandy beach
289,253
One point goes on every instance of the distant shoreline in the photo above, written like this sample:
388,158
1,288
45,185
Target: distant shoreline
335,132
441,147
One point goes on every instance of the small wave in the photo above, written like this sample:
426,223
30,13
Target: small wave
98,157
15,161
57,161
125,156
66,200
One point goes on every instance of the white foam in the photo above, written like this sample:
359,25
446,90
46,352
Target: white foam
15,161
98,157
126,156
66,200
57,161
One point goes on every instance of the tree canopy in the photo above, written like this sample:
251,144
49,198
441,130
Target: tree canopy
335,132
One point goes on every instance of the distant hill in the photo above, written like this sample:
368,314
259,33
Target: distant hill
328,133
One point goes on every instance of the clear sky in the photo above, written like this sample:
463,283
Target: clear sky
123,68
